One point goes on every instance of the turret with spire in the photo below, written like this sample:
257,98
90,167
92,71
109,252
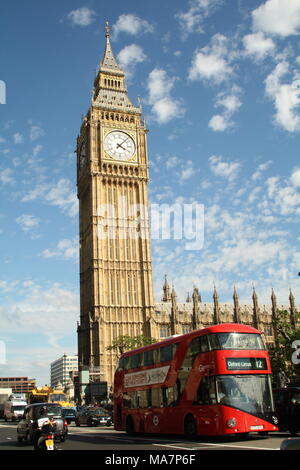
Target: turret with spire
166,291
236,307
293,313
110,90
256,316
196,309
174,313
217,317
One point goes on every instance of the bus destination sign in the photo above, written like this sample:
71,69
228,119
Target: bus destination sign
246,363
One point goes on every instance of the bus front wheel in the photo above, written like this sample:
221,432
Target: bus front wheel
129,425
190,427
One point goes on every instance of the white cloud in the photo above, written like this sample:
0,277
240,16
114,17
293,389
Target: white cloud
82,16
212,63
18,138
6,176
36,150
35,132
187,171
258,46
228,170
230,102
129,57
28,222
262,167
31,307
164,107
60,194
295,178
172,162
131,24
66,249
286,97
192,20
278,17
219,123
282,199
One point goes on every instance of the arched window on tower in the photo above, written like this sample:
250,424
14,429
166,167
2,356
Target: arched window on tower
129,281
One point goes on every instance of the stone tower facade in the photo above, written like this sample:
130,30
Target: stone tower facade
116,290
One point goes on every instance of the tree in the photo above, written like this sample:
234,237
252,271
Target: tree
125,343
285,334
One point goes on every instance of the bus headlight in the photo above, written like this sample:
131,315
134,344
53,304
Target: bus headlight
231,423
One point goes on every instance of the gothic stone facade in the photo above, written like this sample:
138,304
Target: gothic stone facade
173,317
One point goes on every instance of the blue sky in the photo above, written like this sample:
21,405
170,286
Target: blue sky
219,84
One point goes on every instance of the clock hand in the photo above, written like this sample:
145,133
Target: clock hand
120,145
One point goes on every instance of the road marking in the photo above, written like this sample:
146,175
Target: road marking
234,446
175,447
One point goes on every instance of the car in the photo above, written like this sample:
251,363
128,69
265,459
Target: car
69,414
29,427
287,406
93,417
290,444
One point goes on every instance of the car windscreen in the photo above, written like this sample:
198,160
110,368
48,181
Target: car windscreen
98,412
50,410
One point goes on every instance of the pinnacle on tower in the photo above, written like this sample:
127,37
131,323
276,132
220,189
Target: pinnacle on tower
235,294
254,295
216,295
109,63
166,291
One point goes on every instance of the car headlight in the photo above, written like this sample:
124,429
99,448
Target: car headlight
231,423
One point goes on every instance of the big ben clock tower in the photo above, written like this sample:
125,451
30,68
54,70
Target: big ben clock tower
116,291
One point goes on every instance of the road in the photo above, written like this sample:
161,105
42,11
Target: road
107,439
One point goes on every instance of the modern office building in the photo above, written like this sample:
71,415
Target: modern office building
61,368
18,384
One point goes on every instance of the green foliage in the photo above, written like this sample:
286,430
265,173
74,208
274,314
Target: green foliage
280,356
125,343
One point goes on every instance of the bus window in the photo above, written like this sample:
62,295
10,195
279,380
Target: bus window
149,357
127,400
206,393
167,353
142,398
156,397
171,395
236,341
197,346
136,361
250,393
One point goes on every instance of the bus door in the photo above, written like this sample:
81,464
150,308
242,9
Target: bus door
154,416
206,401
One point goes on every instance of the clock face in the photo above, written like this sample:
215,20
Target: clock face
119,145
82,155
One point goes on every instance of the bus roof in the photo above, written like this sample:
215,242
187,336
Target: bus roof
220,328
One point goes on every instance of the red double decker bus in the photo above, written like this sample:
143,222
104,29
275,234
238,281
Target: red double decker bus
214,381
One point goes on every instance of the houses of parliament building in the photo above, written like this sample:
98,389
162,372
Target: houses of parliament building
116,288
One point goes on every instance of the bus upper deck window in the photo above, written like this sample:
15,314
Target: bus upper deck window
126,363
136,361
149,358
167,352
